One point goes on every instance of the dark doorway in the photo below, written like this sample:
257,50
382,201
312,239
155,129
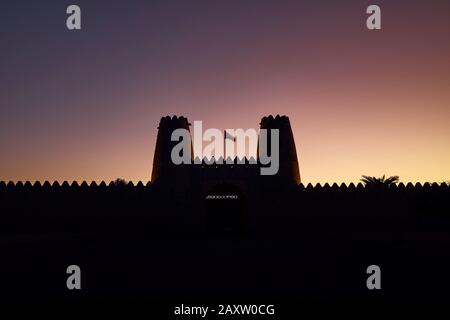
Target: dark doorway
224,210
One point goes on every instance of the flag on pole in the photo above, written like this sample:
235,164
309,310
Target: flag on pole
229,136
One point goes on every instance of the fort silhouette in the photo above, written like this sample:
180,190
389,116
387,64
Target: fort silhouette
164,169
212,233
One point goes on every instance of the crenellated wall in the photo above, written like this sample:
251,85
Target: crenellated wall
88,207
159,244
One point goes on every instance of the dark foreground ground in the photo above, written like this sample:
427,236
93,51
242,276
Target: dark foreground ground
306,249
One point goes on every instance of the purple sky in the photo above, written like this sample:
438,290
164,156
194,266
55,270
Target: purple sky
84,105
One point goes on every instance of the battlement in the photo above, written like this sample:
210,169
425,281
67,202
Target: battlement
227,161
342,187
95,206
277,122
174,122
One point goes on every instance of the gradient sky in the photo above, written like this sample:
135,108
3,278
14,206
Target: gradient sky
85,105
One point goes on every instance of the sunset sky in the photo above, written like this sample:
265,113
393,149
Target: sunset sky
85,105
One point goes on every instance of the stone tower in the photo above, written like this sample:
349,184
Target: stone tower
162,163
289,169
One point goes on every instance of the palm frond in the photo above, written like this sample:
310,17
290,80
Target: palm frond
383,181
391,180
120,182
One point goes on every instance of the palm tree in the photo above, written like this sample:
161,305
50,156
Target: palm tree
120,182
380,182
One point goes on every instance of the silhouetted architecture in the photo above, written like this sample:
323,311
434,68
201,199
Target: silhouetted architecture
225,232
201,180
164,169
289,169
162,164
